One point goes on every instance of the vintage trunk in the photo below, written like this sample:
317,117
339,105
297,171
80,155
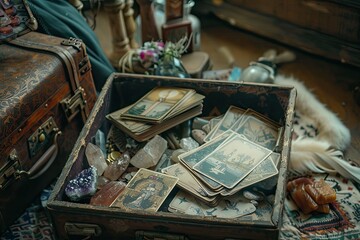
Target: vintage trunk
46,94
80,220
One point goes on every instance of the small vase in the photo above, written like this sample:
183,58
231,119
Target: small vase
172,67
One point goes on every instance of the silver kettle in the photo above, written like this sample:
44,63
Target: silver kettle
264,69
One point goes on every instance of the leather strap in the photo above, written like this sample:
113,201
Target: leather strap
66,58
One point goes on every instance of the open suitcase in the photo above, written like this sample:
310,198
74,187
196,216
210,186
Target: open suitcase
46,94
81,220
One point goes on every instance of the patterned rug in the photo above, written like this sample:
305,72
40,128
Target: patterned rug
34,222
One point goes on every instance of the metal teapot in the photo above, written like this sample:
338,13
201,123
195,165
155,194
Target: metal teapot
265,68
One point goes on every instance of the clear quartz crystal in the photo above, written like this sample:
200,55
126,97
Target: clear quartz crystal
96,158
100,140
115,169
188,143
150,154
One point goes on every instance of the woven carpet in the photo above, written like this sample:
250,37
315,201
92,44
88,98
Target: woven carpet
34,222
340,224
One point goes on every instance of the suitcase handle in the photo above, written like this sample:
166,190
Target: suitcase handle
45,161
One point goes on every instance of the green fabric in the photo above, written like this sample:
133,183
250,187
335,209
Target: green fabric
59,18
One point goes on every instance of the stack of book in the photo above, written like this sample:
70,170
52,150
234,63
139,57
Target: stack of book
157,111
239,151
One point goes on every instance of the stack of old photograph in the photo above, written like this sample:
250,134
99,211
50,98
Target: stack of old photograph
239,151
157,111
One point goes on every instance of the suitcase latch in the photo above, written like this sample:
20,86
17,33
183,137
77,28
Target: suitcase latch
10,169
42,136
74,104
82,229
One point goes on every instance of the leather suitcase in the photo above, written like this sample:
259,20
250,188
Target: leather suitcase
46,94
73,220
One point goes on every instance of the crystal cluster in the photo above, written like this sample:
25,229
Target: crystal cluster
83,185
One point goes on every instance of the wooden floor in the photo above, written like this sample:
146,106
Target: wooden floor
333,83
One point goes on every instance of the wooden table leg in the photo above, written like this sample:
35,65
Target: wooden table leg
148,27
130,23
120,40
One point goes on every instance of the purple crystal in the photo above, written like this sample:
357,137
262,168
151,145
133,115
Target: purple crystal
83,186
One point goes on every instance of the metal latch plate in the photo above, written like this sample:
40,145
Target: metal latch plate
42,136
74,104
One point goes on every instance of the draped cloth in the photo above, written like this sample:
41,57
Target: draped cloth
61,19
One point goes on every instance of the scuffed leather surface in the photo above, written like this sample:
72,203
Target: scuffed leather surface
28,79
32,83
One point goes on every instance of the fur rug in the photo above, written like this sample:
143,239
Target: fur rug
317,151
319,136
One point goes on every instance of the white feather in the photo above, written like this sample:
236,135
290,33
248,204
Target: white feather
311,155
324,152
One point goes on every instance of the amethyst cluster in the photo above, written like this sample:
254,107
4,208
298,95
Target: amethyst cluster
83,185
